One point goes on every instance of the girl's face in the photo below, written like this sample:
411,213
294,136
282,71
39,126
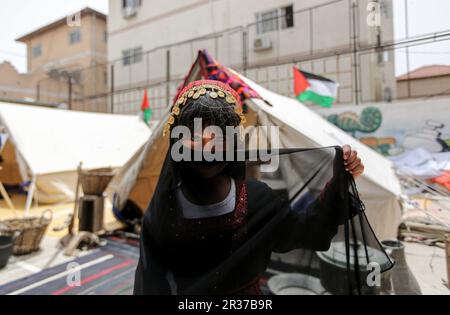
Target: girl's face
207,141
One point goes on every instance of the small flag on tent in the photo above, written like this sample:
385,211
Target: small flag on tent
145,108
314,88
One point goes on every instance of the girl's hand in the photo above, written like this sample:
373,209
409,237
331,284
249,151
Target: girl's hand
352,162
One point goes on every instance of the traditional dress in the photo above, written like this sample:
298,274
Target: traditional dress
226,254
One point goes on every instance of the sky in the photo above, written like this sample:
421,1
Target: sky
19,17
425,17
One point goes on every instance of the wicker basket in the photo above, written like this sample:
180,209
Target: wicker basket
94,182
29,232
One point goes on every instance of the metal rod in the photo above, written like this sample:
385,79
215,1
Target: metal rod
245,48
168,77
408,65
355,53
111,99
70,91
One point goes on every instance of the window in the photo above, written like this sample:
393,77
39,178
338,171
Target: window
105,36
287,17
133,55
273,20
75,36
36,51
130,8
131,4
267,21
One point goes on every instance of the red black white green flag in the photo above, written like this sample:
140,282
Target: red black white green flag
145,108
312,88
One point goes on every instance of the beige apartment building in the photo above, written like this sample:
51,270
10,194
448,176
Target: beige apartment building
425,82
152,44
65,64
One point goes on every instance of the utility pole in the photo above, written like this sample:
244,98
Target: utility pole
69,80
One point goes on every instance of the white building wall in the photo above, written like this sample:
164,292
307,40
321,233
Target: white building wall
319,29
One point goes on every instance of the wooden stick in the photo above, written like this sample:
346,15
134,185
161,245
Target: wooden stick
8,201
447,253
30,196
427,227
75,207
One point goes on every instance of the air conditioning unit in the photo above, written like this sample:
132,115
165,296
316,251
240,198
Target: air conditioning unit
262,44
129,12
54,74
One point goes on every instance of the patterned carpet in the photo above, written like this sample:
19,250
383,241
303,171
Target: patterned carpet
108,270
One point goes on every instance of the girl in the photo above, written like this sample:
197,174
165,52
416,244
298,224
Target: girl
211,230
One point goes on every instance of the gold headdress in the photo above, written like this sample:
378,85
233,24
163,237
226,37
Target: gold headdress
204,88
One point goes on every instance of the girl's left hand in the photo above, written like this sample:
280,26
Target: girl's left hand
352,162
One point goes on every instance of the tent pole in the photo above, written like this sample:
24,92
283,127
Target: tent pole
8,201
30,196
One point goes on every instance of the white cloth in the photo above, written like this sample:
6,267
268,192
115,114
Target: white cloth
422,163
194,211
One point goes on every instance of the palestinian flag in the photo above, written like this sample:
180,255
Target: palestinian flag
145,108
314,88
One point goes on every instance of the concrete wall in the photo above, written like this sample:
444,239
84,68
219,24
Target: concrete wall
394,128
424,87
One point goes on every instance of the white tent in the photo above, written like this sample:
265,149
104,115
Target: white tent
49,144
299,127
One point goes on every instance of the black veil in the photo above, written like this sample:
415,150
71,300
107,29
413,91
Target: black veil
303,229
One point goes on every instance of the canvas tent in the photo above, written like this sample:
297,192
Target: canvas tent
299,127
46,146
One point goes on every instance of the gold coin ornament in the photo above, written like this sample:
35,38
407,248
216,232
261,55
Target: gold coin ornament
176,111
180,101
166,130
230,99
195,93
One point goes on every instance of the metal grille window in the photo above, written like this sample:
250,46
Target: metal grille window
132,55
273,20
131,4
267,21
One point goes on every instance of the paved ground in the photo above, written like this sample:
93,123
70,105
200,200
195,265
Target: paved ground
429,267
